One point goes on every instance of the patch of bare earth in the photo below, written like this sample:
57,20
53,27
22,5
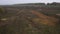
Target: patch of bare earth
43,19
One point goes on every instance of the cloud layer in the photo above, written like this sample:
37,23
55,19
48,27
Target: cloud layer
3,2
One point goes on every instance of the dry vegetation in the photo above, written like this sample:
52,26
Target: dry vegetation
27,20
47,20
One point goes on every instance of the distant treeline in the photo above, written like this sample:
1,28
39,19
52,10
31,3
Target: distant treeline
54,3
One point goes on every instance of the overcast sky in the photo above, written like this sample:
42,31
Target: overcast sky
5,2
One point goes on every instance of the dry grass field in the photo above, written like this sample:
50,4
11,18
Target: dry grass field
29,20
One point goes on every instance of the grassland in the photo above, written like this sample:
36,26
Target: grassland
30,19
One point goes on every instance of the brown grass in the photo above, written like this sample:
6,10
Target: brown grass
43,19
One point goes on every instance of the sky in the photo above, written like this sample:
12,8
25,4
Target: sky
7,2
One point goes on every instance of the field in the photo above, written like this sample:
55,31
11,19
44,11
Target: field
30,19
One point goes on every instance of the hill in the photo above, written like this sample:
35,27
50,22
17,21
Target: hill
30,19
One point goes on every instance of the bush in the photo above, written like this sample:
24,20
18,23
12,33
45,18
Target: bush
1,11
